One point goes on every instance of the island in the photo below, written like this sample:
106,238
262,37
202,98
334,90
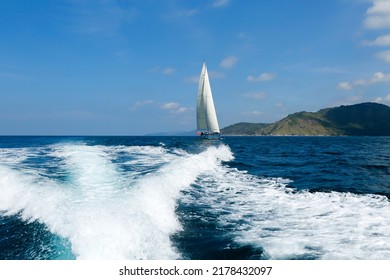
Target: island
364,119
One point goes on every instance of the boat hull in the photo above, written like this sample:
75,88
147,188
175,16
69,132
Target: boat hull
210,136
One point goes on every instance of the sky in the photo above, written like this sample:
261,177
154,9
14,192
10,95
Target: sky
131,67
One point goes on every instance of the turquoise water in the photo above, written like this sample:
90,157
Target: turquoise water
183,198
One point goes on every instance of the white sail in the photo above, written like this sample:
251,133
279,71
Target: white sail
206,115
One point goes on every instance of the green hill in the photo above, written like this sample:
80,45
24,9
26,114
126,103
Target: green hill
244,128
365,119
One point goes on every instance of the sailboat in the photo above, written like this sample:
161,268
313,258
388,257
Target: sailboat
207,123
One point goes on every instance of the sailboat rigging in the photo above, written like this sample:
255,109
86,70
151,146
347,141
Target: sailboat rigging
207,123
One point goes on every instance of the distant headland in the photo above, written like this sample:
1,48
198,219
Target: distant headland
365,119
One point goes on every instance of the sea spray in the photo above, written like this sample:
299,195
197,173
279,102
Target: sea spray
131,201
99,209
289,224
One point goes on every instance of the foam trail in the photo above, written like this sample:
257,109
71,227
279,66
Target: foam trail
101,209
13,156
297,225
25,194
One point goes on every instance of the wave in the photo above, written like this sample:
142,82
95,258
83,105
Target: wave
120,202
100,208
288,224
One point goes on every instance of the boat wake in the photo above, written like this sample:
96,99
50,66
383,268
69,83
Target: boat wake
286,224
107,205
120,202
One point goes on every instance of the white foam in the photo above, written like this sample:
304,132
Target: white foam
101,210
107,212
288,224
13,156
146,157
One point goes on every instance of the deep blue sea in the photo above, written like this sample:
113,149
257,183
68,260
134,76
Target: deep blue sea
184,198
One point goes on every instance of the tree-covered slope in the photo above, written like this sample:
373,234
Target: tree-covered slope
371,119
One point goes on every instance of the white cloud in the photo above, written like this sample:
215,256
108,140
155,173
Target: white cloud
377,22
378,15
181,110
262,77
174,107
228,62
385,55
143,103
379,77
170,105
379,7
385,99
344,86
220,3
383,40
256,95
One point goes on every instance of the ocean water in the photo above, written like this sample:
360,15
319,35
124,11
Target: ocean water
184,198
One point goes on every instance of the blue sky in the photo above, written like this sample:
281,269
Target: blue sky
130,67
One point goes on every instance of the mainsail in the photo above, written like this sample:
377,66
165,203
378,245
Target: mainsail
206,116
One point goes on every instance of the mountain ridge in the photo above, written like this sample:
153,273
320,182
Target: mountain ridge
363,119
